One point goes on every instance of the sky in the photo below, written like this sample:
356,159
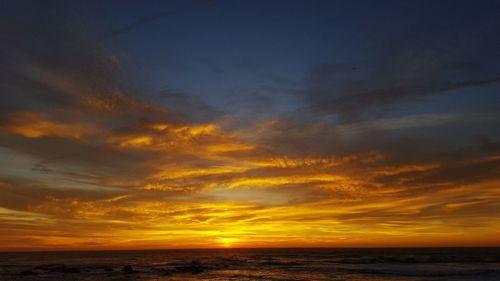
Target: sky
222,123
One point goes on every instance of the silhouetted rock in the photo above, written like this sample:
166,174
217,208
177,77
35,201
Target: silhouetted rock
128,269
195,267
51,267
61,268
166,271
26,273
108,269
70,270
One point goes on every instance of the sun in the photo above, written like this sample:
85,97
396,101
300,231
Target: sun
226,242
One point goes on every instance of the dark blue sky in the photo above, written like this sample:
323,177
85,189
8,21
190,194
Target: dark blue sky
247,61
227,51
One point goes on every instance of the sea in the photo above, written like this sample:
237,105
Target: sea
256,264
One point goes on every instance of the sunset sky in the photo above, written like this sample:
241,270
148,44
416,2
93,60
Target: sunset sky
236,123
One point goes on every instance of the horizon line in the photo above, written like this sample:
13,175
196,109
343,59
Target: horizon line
240,248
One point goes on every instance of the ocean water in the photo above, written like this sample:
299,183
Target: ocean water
257,264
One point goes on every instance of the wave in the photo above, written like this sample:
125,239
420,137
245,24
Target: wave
298,264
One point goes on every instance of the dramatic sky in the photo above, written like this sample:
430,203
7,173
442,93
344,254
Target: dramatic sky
235,123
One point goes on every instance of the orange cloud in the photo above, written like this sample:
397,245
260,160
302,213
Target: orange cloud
36,125
206,139
200,185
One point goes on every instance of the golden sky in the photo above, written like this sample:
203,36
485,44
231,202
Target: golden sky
93,159
69,181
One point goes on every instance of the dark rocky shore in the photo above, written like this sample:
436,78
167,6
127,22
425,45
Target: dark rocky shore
251,264
46,270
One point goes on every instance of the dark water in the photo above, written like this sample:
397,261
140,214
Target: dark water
257,264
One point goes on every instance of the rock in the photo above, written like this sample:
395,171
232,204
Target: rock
108,269
128,269
70,270
195,267
61,268
51,267
166,272
27,273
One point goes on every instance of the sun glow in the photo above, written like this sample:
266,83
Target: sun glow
227,242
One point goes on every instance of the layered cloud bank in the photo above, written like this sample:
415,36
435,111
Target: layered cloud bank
378,157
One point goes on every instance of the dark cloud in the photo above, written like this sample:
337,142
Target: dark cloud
353,94
487,144
21,194
407,66
212,65
194,5
64,97
469,171
189,108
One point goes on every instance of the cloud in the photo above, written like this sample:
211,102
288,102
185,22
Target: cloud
400,70
353,105
84,150
35,125
190,108
154,17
